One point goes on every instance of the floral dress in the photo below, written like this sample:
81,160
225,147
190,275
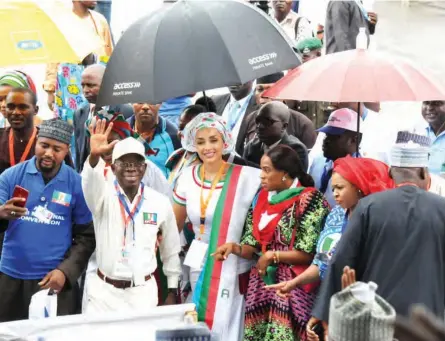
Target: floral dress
269,317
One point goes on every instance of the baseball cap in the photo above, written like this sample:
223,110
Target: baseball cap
128,146
341,120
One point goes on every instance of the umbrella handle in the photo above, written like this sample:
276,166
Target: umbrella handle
358,127
206,100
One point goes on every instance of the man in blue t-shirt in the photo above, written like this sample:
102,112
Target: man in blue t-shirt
48,242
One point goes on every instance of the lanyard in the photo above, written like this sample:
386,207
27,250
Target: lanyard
205,203
233,122
26,151
124,208
407,184
94,23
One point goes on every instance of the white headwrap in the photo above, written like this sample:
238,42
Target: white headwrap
207,120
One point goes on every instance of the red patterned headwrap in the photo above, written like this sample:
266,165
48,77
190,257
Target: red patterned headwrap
368,175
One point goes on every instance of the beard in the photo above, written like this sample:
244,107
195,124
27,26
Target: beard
45,168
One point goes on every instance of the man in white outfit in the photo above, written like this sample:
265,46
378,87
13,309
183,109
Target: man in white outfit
153,177
127,218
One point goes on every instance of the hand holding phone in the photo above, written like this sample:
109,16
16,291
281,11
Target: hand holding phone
20,193
10,209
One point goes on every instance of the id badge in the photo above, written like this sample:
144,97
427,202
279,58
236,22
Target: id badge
123,266
196,254
43,214
137,266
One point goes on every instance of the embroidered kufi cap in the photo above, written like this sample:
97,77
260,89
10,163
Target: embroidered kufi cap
56,129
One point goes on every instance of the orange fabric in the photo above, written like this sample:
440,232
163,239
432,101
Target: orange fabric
368,175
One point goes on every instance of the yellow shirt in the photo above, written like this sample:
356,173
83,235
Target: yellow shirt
99,26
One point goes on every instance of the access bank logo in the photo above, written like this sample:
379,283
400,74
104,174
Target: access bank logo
125,88
126,85
29,45
264,58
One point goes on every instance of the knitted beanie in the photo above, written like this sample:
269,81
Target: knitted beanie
358,314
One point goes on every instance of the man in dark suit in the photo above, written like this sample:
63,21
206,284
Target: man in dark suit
235,107
271,123
299,125
91,81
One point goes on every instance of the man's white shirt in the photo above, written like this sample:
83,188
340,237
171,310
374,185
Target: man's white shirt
102,200
229,109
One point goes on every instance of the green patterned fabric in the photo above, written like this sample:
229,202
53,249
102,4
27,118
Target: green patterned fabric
268,316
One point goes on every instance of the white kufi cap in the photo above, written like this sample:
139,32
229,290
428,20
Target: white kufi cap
409,155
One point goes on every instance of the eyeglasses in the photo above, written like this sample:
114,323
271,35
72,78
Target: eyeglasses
266,122
127,165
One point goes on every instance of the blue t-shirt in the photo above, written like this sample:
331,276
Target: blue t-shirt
329,238
32,247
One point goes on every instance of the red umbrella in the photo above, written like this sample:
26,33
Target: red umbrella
357,76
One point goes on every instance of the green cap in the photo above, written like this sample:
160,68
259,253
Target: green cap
308,45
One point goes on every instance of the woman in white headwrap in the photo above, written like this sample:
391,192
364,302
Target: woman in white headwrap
215,196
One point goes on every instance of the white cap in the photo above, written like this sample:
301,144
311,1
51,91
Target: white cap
128,146
409,155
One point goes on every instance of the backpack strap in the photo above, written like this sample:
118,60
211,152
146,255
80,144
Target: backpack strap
297,24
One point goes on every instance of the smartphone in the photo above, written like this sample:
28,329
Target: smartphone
319,330
20,192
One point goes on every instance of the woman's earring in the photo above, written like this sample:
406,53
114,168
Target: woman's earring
360,193
283,178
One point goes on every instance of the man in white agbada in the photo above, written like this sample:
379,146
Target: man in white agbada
127,217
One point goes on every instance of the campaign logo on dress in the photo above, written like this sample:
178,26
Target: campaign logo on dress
61,198
150,218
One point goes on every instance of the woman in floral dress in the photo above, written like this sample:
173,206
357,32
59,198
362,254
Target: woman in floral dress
282,229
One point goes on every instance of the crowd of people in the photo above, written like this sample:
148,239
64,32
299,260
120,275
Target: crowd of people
278,219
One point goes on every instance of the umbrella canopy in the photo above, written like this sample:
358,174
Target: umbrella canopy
192,46
42,32
357,76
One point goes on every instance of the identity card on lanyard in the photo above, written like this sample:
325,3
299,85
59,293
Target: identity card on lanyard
130,262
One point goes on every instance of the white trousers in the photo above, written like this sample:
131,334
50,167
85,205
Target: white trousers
100,296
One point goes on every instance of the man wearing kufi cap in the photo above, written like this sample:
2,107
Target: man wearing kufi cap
49,233
436,183
395,238
128,216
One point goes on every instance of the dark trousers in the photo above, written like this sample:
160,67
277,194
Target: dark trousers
15,297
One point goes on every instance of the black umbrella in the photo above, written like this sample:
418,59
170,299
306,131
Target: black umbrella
192,46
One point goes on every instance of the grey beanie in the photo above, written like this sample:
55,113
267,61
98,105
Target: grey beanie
56,129
358,314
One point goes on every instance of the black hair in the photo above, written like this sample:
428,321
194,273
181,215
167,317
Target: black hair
207,103
26,91
285,159
270,79
194,110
